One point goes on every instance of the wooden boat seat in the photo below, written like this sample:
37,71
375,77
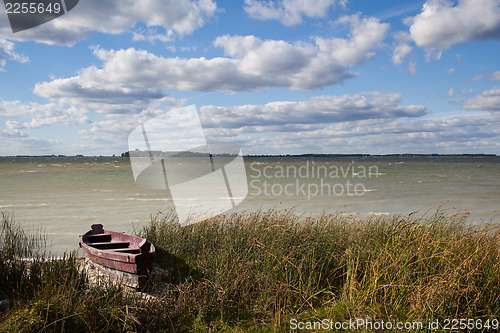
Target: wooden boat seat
110,245
129,250
99,238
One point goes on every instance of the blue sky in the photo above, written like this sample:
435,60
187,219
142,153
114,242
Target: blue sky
273,76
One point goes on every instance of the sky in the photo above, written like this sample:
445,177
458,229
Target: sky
273,76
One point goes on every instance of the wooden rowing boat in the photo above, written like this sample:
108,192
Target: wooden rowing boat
124,257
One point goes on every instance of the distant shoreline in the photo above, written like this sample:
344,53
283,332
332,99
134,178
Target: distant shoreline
381,155
271,156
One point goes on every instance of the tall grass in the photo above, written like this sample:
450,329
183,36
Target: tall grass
15,247
54,295
254,272
272,266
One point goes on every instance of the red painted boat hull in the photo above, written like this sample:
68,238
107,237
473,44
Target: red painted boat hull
119,252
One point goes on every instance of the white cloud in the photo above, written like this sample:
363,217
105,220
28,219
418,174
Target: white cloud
7,50
111,132
385,136
131,77
33,115
12,133
319,110
90,92
290,12
495,76
369,122
400,52
476,78
233,124
151,35
38,115
412,67
114,129
441,24
15,141
451,93
365,34
489,100
176,17
403,50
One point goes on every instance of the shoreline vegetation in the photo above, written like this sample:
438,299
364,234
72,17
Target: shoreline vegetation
257,272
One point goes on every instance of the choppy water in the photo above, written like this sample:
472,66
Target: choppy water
64,196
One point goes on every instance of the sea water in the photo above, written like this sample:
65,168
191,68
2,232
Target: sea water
63,196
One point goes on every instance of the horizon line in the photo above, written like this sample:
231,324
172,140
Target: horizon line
286,155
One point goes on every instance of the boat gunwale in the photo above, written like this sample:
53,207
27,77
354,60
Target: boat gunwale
112,254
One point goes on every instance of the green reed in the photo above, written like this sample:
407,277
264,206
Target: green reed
254,272
273,266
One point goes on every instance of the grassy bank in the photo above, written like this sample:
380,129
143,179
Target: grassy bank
255,272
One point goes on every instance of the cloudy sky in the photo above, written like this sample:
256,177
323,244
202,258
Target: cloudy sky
273,76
